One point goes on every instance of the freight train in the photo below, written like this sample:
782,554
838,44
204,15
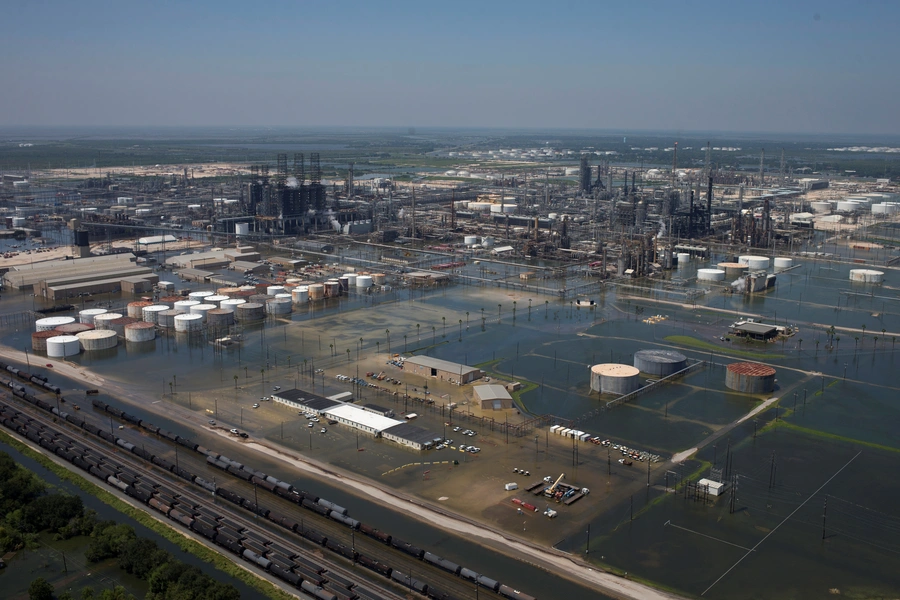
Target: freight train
168,498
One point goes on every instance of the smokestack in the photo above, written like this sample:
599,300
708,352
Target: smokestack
691,217
674,163
709,205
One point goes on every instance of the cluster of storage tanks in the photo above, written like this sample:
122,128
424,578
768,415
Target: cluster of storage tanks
877,203
616,378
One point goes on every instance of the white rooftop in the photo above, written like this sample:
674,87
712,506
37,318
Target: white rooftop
363,417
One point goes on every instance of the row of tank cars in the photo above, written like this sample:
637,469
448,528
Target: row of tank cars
248,544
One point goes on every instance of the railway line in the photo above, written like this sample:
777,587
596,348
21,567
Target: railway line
271,539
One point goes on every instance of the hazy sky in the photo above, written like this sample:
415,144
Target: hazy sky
790,66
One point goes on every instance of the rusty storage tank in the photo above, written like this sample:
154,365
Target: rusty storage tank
733,269
202,309
219,317
614,378
73,328
98,339
228,291
39,339
170,301
379,278
332,288
102,321
140,332
250,311
659,363
749,377
316,291
134,308
118,325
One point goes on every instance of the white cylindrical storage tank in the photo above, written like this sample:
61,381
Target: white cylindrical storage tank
866,276
364,281
487,241
279,306
274,289
286,296
199,296
292,281
470,240
820,207
683,258
231,304
316,291
847,206
48,323
782,262
87,315
62,346
379,278
215,299
102,321
614,378
98,339
754,262
184,306
250,311
187,322
202,309
351,279
219,317
140,332
150,313
300,294
166,318
135,308
247,288
711,274
242,229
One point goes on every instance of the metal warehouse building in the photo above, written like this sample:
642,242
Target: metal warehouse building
442,369
359,418
493,397
409,435
305,401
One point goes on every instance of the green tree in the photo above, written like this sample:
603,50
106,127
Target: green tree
18,486
108,539
141,556
40,589
116,593
51,512
87,593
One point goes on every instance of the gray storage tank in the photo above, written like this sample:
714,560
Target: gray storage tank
749,377
614,378
660,363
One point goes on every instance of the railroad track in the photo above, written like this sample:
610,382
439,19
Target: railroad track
188,508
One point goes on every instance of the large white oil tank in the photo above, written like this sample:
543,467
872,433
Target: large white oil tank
351,279
683,259
149,313
48,323
184,306
279,306
103,321
215,299
783,262
98,339
242,229
202,309
615,378
140,332
199,296
300,294
754,262
711,274
274,289
62,346
470,240
87,316
847,206
487,242
187,322
364,281
866,276
820,207
231,304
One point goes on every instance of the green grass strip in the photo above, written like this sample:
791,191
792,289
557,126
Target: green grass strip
834,436
692,342
205,554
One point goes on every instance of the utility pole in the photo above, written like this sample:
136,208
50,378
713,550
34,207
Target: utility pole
587,548
824,514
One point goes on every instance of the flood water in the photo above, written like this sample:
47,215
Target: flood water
835,401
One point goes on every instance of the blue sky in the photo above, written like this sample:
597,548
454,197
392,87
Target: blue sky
813,67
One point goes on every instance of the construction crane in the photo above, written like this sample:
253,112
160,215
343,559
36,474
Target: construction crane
549,491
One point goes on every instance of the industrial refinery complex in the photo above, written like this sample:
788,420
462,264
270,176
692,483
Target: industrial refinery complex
417,333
